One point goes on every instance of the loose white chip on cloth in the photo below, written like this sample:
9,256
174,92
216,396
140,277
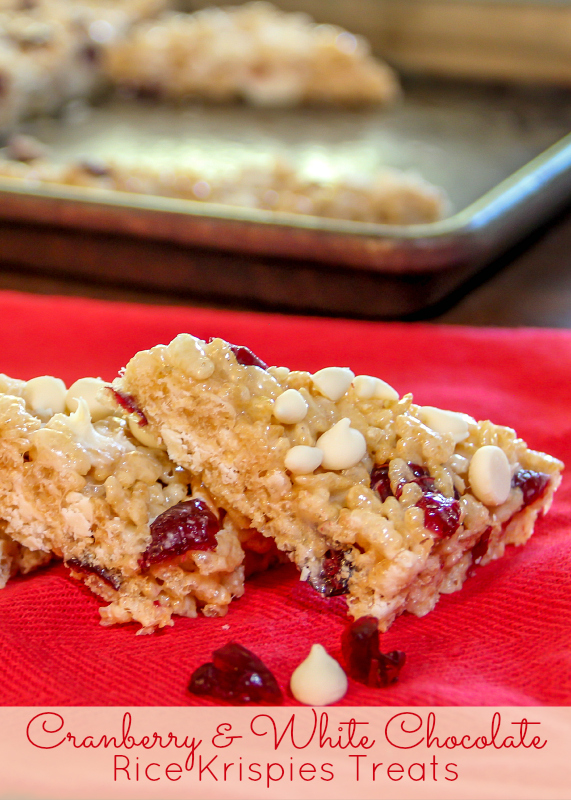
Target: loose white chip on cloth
319,680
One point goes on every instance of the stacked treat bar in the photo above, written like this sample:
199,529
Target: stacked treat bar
90,486
162,492
370,495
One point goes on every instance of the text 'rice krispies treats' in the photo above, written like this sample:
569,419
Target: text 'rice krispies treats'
92,492
370,494
254,52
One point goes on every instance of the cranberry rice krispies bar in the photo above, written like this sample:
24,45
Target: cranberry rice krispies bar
371,495
90,485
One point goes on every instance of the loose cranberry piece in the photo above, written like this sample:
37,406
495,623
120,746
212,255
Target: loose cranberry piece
380,481
441,514
532,484
334,576
110,577
363,658
128,402
189,525
238,676
244,355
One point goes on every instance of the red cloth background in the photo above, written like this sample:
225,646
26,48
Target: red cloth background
505,639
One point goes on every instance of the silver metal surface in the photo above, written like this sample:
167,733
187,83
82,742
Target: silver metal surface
501,155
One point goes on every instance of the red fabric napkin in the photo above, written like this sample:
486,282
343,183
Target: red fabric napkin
504,639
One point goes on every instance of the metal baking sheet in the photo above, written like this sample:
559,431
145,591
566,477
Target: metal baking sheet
503,156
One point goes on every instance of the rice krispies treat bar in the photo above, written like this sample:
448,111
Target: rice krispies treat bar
50,50
253,52
389,197
93,492
371,495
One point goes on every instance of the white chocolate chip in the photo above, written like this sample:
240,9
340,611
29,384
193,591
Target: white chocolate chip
142,434
290,407
342,446
319,680
101,447
186,352
490,475
301,459
445,422
333,382
45,395
279,373
90,389
367,387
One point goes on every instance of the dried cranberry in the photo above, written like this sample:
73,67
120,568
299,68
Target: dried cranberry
441,514
380,481
189,525
481,547
109,576
363,658
238,676
150,91
479,551
422,477
24,148
91,54
128,402
334,576
94,167
532,484
244,355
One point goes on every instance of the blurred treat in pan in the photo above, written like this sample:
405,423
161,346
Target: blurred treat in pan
253,52
50,50
388,196
54,51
